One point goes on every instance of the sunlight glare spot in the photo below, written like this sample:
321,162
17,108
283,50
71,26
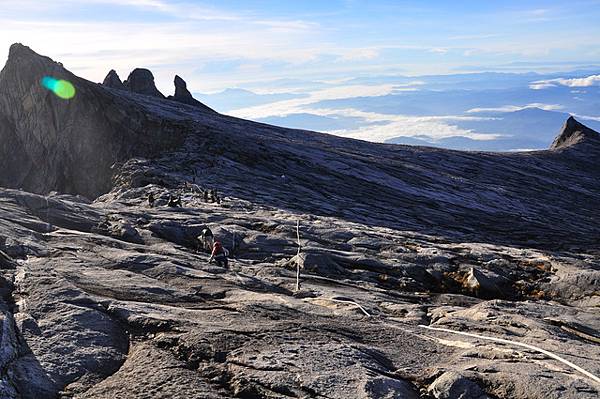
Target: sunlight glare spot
62,88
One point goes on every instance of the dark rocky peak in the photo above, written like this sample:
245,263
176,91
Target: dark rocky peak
20,50
573,133
29,67
51,143
183,95
142,81
113,81
181,90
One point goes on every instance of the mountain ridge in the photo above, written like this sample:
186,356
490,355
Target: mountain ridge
388,176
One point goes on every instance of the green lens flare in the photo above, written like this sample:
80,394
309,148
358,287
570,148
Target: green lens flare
62,88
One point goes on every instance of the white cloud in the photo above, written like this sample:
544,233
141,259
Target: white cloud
473,37
538,15
591,118
541,85
160,5
361,54
378,127
436,127
183,9
513,108
438,50
282,108
593,80
287,26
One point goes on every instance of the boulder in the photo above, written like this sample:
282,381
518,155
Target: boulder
453,385
141,81
317,262
125,231
486,284
382,387
177,233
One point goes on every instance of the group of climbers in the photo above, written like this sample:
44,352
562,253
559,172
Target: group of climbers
175,201
206,240
211,196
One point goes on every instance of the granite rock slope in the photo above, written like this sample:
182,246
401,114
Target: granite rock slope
405,251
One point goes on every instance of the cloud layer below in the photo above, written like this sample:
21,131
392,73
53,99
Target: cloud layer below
593,80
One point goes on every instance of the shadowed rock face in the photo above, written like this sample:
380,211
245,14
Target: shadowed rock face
111,299
141,81
113,81
47,143
182,94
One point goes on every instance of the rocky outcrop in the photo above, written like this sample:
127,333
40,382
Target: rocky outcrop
573,133
48,143
183,95
141,81
113,81
452,385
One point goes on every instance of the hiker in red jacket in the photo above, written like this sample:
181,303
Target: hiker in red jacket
219,254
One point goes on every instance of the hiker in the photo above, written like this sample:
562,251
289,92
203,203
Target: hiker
205,194
151,200
174,202
219,254
206,240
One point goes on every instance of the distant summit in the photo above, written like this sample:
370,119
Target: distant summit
573,133
141,81
113,81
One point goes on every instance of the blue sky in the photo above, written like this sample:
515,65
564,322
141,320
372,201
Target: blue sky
215,45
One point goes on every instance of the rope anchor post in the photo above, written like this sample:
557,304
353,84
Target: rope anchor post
298,256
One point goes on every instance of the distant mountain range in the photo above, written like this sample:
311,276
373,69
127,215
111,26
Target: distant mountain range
471,111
